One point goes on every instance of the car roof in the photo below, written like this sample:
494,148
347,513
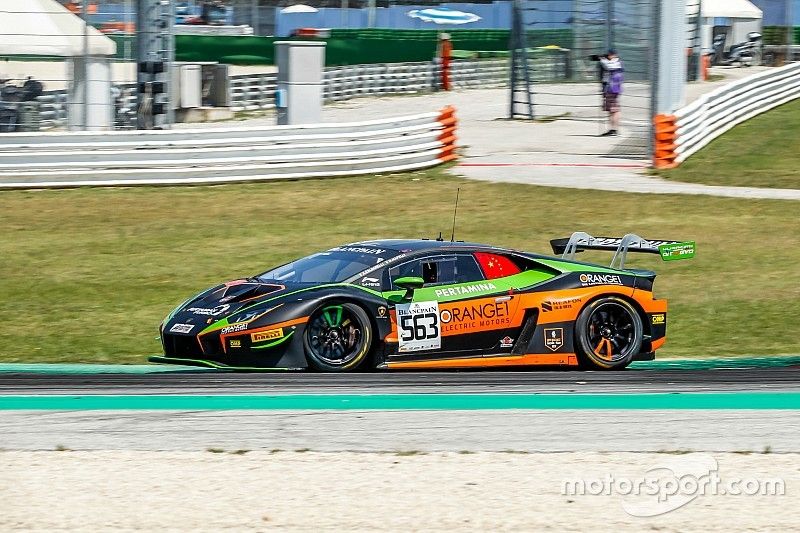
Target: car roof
417,245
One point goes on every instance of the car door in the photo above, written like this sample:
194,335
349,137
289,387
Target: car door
457,312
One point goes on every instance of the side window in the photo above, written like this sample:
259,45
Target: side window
467,269
411,269
439,270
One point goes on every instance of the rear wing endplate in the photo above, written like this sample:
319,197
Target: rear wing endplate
580,241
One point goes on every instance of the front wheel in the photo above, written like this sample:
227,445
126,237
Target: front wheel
608,334
338,338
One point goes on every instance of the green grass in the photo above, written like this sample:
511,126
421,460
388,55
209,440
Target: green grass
86,275
761,152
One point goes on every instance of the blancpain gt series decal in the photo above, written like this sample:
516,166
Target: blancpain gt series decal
418,326
181,328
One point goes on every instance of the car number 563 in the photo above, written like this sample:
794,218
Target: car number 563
418,326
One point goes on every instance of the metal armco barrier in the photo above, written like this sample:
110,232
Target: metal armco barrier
125,158
254,92
690,128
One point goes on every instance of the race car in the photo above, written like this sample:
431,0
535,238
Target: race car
429,304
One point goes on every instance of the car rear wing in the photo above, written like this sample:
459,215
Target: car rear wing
580,241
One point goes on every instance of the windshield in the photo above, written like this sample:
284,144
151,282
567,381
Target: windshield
333,266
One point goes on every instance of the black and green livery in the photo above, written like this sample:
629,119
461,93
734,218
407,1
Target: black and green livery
400,303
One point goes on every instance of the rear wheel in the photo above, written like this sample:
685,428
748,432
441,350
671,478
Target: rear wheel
338,337
608,334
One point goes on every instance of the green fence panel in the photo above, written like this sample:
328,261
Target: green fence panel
359,46
776,35
236,50
126,45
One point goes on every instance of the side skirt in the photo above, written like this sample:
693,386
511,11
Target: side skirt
499,360
212,364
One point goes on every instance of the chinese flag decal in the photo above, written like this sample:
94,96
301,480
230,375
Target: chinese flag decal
496,266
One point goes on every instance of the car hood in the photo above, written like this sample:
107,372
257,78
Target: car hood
228,299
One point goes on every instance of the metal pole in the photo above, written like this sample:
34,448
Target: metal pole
575,38
142,36
790,30
512,70
655,44
128,37
168,38
85,105
371,14
609,24
698,38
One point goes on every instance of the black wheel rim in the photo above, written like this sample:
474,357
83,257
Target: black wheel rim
611,332
335,335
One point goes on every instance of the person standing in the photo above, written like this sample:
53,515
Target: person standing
612,76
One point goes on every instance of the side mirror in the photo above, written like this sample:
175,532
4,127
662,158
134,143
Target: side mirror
410,284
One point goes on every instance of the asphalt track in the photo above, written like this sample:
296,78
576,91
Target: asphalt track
748,379
742,404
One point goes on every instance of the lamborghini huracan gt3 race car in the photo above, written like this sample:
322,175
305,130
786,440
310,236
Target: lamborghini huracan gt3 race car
421,304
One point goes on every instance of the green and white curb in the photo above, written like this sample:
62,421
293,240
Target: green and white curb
408,402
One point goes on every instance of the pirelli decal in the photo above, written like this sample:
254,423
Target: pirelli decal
268,335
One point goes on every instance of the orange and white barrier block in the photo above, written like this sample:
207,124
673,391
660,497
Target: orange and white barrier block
664,147
447,136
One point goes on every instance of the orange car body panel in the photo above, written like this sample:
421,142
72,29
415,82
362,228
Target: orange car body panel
555,307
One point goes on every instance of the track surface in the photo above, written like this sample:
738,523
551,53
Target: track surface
530,382
529,430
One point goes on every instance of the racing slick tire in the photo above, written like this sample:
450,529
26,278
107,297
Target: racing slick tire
608,334
338,338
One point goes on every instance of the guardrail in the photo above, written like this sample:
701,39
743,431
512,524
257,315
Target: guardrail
254,92
690,128
223,155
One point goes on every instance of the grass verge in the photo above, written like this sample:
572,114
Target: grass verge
762,152
86,275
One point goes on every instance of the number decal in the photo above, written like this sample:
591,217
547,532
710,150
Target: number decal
418,325
407,331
